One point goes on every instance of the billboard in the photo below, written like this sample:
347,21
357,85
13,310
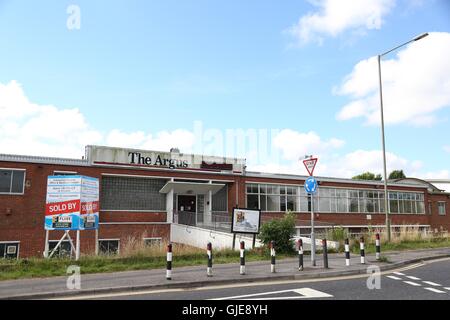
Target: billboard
72,203
246,221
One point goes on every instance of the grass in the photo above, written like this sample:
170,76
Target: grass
135,255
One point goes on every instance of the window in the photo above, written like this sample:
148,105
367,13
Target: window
441,208
153,242
129,193
109,247
12,181
63,251
9,250
220,200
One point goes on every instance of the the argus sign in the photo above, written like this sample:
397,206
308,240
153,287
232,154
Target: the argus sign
72,203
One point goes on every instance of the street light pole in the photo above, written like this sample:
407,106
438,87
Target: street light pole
383,142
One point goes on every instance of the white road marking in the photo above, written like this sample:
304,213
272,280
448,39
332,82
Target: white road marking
304,293
413,283
434,284
434,290
399,273
413,278
394,278
447,288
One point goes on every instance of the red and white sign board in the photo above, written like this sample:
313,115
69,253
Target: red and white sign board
310,164
72,203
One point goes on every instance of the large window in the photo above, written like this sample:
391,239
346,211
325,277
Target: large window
277,198
129,193
12,181
273,198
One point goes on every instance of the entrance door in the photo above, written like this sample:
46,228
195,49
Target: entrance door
187,209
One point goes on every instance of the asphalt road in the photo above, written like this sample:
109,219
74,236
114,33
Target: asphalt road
425,281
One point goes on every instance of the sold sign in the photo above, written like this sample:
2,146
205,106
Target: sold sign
62,207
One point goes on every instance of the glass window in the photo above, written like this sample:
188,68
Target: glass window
109,246
324,204
292,203
420,207
342,205
252,201
9,250
273,203
262,188
11,181
393,206
263,202
283,203
63,251
441,208
152,242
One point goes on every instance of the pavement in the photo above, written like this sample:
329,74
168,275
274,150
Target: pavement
195,277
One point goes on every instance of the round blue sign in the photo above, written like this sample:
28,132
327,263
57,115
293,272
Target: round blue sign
311,185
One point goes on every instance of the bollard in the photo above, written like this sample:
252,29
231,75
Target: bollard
242,255
347,253
169,262
378,246
363,254
300,255
272,256
325,253
209,253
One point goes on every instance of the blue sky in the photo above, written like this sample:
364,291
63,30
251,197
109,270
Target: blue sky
139,68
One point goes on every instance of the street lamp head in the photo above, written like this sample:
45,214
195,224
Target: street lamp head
423,35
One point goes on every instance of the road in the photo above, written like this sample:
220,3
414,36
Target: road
425,281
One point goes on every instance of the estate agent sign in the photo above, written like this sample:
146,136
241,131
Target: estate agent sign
72,203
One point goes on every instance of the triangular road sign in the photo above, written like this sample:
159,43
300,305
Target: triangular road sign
310,164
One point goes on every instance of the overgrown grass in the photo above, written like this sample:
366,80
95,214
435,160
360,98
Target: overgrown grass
134,255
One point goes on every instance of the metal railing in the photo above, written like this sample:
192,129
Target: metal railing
218,221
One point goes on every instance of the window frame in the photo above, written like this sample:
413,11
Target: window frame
6,243
118,246
439,203
11,182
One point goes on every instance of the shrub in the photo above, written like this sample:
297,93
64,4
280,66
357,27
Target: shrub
280,231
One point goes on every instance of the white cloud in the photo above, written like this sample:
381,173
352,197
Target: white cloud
334,17
45,130
163,140
446,148
416,84
294,144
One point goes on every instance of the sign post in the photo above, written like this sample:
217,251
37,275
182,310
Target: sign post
311,187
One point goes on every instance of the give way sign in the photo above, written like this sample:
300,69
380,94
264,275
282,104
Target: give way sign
310,164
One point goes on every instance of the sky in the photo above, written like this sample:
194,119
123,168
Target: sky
269,81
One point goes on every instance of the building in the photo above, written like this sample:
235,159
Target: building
145,193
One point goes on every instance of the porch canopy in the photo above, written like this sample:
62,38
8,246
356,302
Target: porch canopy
181,187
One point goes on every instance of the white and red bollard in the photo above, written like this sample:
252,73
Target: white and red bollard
378,246
209,254
347,253
300,255
169,262
242,256
272,257
362,249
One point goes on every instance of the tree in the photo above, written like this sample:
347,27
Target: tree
367,176
281,231
397,174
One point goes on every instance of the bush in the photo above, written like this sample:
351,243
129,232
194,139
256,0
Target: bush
280,231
